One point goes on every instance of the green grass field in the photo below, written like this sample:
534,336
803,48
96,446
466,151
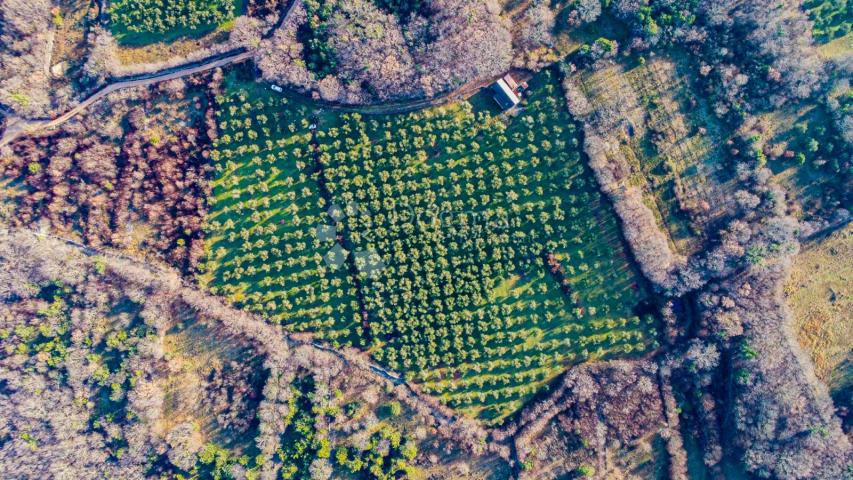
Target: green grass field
479,248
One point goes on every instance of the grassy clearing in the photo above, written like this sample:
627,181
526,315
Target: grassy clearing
812,167
837,48
648,459
479,246
670,139
180,47
208,363
69,20
821,296
568,39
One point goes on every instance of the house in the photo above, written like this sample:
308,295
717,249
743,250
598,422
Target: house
506,95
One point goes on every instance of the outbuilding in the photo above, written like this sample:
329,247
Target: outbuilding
505,95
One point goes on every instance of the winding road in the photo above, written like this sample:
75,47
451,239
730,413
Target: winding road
18,126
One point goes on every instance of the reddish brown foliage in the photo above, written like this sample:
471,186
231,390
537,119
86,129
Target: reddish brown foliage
102,185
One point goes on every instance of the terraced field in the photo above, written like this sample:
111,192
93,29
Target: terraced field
672,143
471,252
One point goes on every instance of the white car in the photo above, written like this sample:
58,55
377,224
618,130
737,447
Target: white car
276,88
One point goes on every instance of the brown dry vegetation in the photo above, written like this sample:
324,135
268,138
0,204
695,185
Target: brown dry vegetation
158,52
821,297
839,49
71,18
776,419
136,160
26,43
605,415
43,45
381,58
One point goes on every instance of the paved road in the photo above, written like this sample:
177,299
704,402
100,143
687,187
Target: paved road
18,126
21,127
